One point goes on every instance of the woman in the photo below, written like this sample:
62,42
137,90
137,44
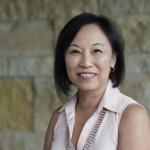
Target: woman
90,55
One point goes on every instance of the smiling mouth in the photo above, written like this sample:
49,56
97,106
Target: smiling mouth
87,74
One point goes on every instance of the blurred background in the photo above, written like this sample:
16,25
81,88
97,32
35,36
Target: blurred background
28,32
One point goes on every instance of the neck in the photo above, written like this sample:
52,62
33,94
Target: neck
90,99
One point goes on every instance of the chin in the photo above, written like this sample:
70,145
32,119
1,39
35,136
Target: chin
87,88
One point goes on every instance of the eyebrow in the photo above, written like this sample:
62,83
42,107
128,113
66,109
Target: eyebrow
92,45
75,45
97,44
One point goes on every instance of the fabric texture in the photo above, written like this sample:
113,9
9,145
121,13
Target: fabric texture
106,137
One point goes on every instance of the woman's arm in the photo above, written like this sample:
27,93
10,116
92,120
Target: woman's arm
134,129
50,129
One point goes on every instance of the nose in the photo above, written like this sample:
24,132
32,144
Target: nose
86,61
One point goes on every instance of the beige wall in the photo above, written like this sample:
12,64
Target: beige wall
28,31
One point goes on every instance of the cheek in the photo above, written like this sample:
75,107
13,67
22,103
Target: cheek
69,63
104,62
71,66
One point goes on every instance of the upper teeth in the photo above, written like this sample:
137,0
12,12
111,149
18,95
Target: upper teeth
87,75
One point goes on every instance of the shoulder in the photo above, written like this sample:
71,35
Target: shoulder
54,118
134,128
50,129
55,115
134,111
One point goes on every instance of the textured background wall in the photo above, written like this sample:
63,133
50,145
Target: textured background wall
28,31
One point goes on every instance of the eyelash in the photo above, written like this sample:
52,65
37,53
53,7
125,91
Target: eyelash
75,51
97,50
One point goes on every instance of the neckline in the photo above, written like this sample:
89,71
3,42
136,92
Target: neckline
92,134
110,93
70,115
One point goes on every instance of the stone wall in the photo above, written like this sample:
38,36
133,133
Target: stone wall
28,31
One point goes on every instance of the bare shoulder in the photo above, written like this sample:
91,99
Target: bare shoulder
50,129
134,129
134,113
55,115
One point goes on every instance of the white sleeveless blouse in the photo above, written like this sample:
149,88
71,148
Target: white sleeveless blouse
106,137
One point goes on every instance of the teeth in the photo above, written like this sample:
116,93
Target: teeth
87,75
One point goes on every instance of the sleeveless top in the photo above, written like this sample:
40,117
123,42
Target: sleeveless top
106,137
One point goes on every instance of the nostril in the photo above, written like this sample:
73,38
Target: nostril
86,62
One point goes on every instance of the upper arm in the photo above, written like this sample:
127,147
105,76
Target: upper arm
134,129
50,129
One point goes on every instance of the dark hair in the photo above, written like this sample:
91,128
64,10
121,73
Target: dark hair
66,36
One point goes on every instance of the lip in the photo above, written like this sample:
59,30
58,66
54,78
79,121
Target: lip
86,78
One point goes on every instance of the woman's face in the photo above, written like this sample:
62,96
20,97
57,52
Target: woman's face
89,59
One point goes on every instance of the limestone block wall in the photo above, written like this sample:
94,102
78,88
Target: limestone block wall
28,31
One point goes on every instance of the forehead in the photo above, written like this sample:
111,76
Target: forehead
90,33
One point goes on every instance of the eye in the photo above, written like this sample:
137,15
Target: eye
75,51
97,50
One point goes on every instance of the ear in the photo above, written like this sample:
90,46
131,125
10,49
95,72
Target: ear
113,60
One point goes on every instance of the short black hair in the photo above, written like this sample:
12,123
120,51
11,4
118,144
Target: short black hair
66,36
